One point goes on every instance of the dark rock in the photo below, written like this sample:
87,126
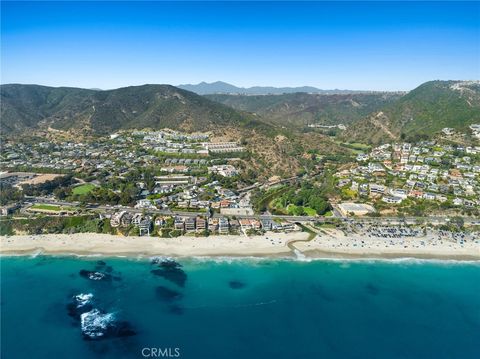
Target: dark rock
167,294
236,284
319,290
172,274
98,325
169,263
155,260
175,309
372,289
95,275
124,329
79,304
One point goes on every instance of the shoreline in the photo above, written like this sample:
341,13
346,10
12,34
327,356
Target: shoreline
333,245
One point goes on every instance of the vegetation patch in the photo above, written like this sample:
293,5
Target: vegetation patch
83,189
47,207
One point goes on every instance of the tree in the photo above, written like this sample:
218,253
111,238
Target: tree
458,221
9,194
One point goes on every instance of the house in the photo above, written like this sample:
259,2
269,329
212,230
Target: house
457,201
225,203
144,203
245,223
266,224
415,194
223,170
362,157
223,226
343,182
256,224
448,131
399,193
213,224
429,196
201,224
179,224
392,199
441,198
469,204
116,219
286,227
377,188
126,219
363,189
190,224
145,225
234,225
136,219
159,221
9,209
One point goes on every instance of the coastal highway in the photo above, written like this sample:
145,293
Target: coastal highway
107,208
366,220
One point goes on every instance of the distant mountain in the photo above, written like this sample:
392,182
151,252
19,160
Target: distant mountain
220,87
422,112
301,109
27,107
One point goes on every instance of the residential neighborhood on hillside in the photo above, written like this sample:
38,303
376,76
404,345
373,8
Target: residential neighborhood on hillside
168,183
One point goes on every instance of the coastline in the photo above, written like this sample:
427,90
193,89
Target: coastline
329,245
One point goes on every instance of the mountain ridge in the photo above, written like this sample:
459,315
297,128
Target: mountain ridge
422,112
370,117
220,87
302,109
27,107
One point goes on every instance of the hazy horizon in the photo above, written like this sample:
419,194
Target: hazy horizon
246,87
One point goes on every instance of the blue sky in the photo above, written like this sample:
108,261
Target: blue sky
347,45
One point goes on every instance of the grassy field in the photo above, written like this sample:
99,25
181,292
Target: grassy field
47,207
358,146
51,207
83,189
355,147
291,209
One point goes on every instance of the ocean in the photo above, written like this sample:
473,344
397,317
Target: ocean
92,307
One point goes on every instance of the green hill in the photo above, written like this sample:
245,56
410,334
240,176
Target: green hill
422,112
27,107
301,109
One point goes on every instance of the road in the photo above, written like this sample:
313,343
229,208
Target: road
366,220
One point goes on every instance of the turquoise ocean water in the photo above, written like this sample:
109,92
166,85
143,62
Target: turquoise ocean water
243,309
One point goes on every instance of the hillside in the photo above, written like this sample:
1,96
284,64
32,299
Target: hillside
219,87
301,109
420,113
30,107
81,113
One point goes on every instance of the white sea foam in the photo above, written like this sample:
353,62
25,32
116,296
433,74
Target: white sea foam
259,259
83,299
94,323
96,276
234,259
406,260
299,256
36,253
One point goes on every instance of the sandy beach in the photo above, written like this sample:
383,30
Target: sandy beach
327,244
433,245
184,246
